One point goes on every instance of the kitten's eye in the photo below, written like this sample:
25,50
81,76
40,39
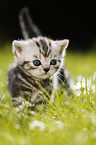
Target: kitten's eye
36,62
53,62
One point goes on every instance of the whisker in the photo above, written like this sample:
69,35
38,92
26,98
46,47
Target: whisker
60,79
61,75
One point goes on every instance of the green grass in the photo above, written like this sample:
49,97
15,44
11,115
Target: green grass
69,121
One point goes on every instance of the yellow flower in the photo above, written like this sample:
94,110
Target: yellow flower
26,105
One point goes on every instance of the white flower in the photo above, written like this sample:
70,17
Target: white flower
27,104
37,123
60,125
84,83
93,88
94,76
17,126
94,134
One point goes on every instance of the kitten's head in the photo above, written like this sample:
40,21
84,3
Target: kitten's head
41,57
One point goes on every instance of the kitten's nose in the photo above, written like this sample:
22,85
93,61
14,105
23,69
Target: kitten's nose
46,69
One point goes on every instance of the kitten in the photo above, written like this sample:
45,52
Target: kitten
39,62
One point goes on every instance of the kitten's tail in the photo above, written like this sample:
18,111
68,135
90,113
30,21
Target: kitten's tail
29,29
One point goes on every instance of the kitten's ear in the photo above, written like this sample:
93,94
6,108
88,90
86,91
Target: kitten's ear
63,44
17,47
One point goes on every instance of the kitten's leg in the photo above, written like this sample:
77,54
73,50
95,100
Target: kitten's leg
55,87
65,80
62,78
38,100
22,102
17,103
37,97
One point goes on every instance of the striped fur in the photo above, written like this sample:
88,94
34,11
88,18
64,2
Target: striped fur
39,65
23,78
22,84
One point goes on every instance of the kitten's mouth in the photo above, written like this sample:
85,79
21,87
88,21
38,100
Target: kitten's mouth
45,73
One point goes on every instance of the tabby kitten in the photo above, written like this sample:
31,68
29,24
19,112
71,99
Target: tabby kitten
39,61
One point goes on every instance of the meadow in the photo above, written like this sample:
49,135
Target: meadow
70,120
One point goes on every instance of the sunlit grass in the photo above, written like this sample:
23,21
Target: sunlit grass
69,121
